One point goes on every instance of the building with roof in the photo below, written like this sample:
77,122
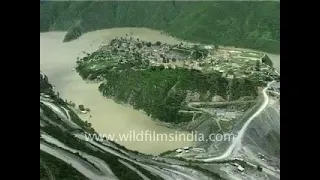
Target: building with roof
220,112
179,150
231,115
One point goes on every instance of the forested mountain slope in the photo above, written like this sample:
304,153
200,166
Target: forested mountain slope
253,25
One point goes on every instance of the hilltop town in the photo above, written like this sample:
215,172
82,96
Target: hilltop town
134,53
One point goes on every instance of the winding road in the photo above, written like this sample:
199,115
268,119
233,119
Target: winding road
237,141
75,162
64,116
103,167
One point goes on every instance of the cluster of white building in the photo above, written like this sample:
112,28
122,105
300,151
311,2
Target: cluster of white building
188,149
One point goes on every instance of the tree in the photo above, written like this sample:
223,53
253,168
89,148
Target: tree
139,45
81,107
231,72
259,168
115,50
149,44
257,66
153,68
161,67
174,59
158,43
72,104
87,109
197,54
112,41
267,60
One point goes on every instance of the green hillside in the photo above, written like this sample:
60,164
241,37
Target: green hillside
253,25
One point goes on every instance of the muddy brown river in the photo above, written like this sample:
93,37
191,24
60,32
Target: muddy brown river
57,60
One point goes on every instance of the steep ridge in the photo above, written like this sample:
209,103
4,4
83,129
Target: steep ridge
263,135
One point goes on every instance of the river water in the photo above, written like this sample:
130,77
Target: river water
57,60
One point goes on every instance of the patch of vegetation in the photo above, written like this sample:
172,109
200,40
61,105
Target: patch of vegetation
199,52
58,168
207,172
226,126
145,172
124,148
166,153
159,92
242,87
247,24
